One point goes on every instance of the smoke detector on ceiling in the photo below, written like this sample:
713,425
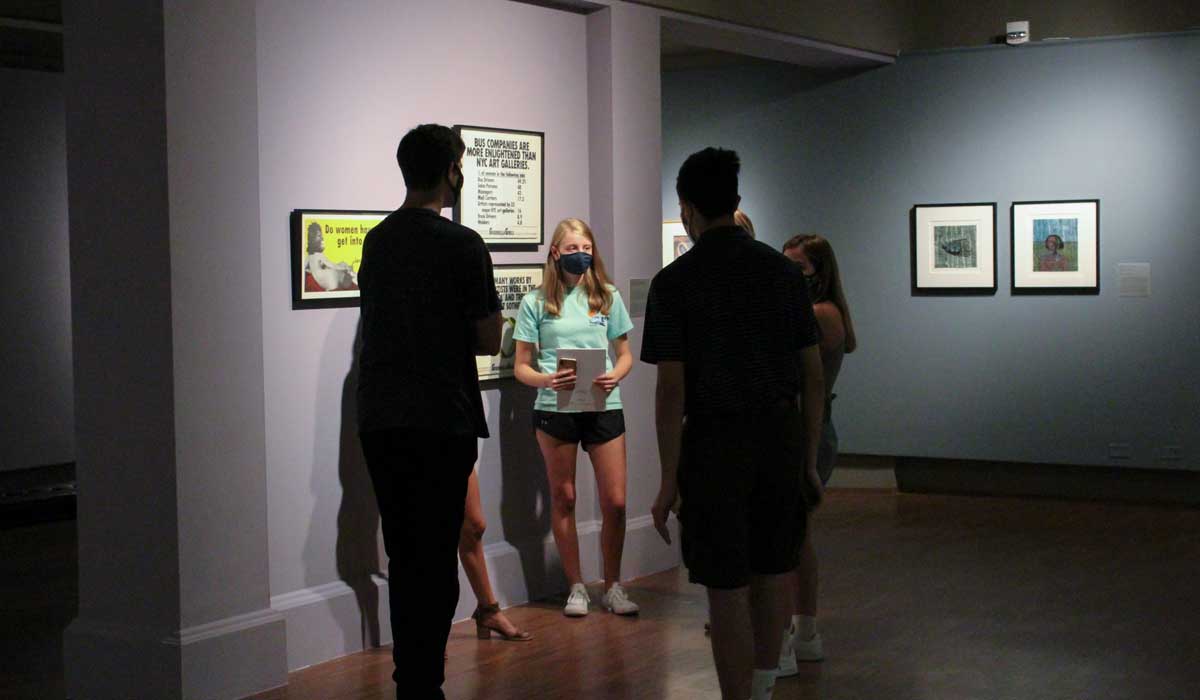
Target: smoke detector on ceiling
1018,33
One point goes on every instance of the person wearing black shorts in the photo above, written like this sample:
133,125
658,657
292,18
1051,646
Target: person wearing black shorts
577,308
732,331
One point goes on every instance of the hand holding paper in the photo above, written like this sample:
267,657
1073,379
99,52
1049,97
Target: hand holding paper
586,394
607,381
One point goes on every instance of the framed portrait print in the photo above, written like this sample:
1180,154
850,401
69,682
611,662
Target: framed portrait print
512,283
503,186
953,249
1056,247
326,254
675,241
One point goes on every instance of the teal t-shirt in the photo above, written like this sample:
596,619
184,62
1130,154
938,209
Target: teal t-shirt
575,327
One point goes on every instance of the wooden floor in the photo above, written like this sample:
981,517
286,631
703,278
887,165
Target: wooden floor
925,598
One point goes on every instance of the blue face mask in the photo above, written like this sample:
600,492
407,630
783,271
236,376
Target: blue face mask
576,263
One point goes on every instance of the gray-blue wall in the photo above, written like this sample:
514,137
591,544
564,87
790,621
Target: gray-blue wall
1031,379
37,416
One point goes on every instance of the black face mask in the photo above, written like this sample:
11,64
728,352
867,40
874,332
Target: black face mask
814,286
457,189
687,226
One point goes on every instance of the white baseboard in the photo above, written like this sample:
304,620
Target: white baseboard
329,621
222,660
233,658
326,622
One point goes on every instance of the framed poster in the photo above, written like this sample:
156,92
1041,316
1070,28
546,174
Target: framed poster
512,282
953,249
326,254
504,180
675,241
1056,247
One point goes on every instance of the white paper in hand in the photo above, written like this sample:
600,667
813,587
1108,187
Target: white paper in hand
586,396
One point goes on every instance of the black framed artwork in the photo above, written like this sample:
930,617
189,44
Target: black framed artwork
953,249
1056,247
504,179
326,254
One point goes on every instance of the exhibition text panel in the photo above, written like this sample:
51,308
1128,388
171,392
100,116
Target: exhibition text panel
502,189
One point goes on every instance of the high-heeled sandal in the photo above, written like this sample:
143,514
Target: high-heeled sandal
484,630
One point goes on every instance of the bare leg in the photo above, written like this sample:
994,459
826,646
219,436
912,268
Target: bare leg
732,640
770,599
806,578
470,553
560,471
470,545
608,461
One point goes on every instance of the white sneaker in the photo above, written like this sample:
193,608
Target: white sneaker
577,601
762,684
787,655
617,601
808,649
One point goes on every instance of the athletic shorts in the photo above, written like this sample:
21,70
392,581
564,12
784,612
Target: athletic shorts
827,450
743,505
588,428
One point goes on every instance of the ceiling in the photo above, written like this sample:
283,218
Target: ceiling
699,42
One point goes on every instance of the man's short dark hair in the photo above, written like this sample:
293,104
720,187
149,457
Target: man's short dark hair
708,180
426,153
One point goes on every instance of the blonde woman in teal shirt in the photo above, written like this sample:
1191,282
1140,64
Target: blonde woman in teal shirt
576,307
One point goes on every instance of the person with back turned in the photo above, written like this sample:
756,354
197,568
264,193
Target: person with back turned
732,331
429,305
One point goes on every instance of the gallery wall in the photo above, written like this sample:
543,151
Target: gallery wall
1039,379
337,87
38,413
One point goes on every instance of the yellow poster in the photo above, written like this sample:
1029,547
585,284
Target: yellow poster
326,255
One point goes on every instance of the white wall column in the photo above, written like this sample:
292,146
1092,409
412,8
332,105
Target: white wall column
167,321
625,150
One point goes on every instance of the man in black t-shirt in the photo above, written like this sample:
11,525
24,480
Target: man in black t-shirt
429,306
732,330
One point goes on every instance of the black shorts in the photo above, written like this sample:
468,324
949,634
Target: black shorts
589,428
743,503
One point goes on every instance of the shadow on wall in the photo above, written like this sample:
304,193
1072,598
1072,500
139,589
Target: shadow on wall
525,491
524,499
358,515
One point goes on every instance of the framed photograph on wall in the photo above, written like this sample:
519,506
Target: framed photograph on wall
504,182
326,254
1056,247
512,282
675,241
953,249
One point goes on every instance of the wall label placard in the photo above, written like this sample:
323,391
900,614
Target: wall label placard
1134,279
503,185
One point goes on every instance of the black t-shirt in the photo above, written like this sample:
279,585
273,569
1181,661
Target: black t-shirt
736,312
424,281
